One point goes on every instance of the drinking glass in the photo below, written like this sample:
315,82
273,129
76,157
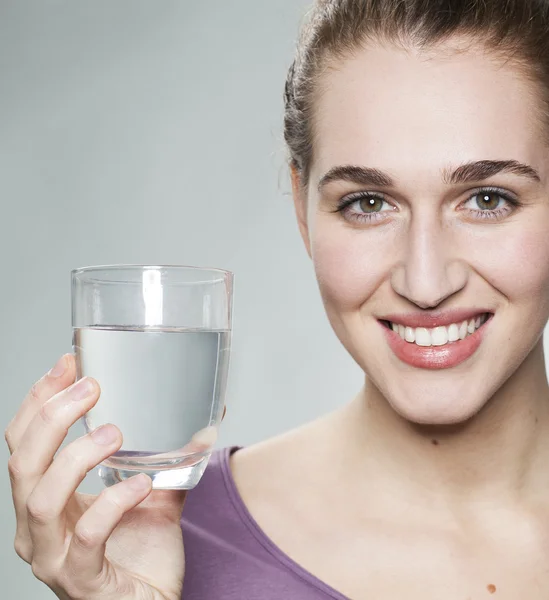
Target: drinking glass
157,339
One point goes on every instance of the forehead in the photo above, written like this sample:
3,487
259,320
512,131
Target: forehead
385,106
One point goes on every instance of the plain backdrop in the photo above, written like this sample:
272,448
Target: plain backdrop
150,131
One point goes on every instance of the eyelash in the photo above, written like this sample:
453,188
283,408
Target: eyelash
494,215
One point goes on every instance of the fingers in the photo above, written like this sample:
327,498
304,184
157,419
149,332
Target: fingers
56,380
83,571
86,553
44,435
48,500
49,426
34,449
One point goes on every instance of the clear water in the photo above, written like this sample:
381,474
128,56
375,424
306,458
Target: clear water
163,388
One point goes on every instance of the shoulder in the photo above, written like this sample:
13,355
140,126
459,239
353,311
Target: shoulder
227,552
272,471
236,479
242,483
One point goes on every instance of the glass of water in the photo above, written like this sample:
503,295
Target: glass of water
157,339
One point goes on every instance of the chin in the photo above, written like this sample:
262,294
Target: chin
438,412
445,401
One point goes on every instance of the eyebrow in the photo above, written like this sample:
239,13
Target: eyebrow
466,173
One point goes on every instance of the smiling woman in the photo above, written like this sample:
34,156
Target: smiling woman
419,155
419,158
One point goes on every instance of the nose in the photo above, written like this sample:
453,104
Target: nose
432,267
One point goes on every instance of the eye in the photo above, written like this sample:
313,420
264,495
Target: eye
364,206
370,204
487,201
491,204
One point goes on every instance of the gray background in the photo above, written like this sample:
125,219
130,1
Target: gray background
139,131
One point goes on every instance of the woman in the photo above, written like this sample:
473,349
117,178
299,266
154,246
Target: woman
417,133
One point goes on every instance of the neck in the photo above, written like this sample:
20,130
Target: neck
502,452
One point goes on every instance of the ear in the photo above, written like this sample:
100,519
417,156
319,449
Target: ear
299,194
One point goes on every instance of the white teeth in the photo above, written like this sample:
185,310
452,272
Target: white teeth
439,336
453,333
423,337
410,334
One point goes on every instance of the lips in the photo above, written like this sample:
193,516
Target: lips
445,356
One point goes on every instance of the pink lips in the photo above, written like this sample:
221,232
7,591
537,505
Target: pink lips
435,357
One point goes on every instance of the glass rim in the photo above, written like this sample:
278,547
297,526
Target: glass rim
142,267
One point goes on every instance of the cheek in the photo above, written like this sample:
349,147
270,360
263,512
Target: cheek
518,266
350,264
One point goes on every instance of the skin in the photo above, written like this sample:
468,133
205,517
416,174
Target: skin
428,484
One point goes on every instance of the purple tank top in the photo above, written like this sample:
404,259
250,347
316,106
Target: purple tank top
228,557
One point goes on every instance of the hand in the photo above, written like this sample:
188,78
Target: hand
124,543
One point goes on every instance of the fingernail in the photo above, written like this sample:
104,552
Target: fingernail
104,435
81,389
139,482
59,368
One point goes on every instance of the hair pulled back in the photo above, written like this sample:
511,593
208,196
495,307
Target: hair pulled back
515,30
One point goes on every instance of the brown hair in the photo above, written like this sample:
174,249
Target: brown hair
516,30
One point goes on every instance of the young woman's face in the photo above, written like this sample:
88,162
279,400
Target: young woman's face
446,215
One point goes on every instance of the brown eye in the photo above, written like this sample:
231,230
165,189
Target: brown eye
491,204
371,204
364,208
487,200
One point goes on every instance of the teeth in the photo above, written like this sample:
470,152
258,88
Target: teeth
423,337
453,333
410,334
439,336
